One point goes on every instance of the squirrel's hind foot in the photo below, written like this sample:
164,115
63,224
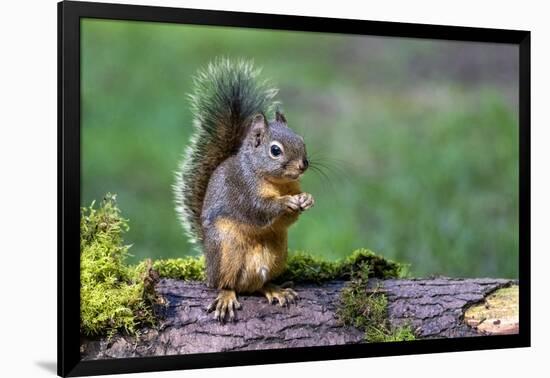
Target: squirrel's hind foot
284,296
225,303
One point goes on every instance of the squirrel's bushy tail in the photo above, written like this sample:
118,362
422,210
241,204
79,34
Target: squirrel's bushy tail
226,95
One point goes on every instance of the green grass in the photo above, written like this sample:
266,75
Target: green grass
422,167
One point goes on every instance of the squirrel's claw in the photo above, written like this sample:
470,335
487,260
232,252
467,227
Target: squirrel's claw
284,296
225,304
212,306
290,295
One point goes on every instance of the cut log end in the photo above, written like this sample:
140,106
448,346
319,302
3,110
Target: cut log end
497,314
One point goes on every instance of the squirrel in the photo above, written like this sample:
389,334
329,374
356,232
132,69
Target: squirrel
237,188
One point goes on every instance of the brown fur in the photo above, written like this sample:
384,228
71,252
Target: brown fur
246,249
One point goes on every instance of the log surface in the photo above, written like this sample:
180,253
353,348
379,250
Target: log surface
433,307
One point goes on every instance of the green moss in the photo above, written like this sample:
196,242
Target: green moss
403,333
362,263
113,295
365,263
188,268
368,310
301,267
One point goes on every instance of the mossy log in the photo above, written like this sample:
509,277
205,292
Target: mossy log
433,308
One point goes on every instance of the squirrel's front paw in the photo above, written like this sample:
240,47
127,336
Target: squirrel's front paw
292,203
299,202
306,201
225,302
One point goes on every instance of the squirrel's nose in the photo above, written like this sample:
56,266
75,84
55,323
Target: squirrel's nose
303,164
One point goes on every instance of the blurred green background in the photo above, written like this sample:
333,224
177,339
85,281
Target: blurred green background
419,138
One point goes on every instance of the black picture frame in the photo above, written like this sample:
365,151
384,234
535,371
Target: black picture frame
69,15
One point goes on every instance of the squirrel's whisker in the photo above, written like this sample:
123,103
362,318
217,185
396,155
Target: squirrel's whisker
335,171
323,175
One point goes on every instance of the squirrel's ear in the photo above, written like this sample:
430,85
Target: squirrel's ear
258,129
280,117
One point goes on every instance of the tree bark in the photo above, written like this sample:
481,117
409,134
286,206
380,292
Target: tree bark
434,308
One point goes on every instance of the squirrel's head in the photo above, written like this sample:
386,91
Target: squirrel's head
277,152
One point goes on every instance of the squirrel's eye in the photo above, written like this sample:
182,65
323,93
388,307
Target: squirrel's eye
275,150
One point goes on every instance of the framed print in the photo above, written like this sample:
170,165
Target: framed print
239,188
